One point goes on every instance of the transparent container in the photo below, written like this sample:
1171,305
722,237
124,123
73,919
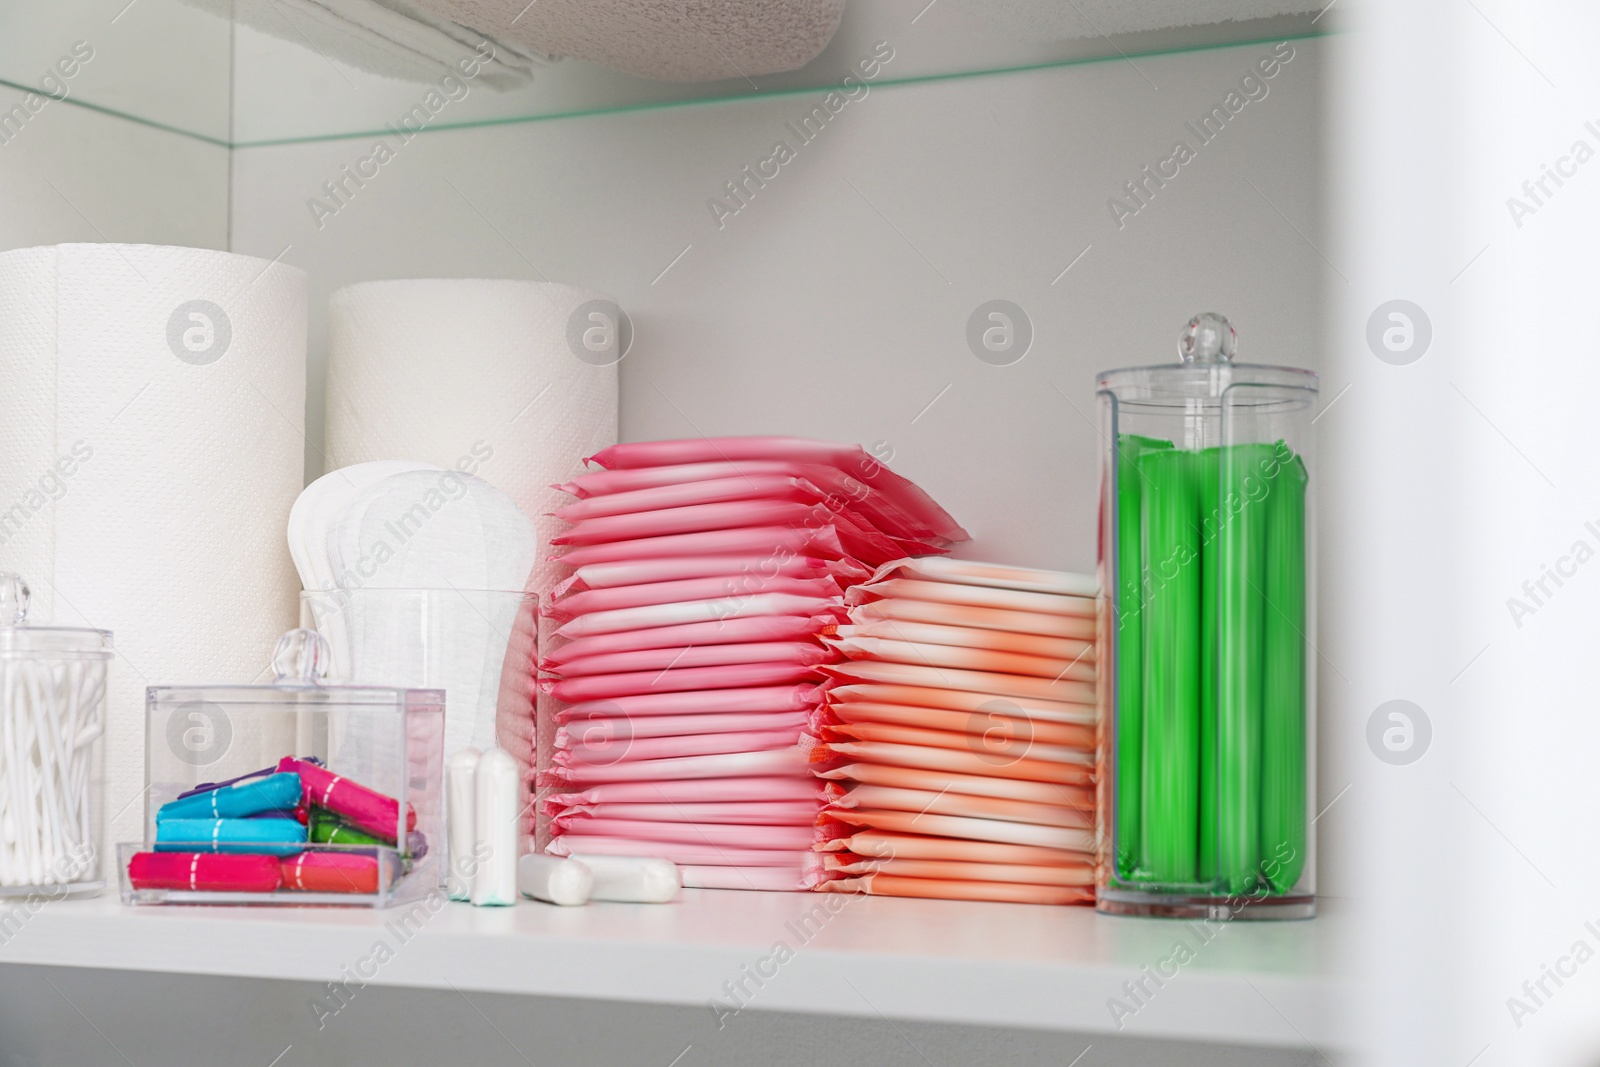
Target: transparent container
1207,753
52,720
367,806
478,645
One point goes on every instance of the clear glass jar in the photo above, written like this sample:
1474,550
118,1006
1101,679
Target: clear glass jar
52,722
1207,755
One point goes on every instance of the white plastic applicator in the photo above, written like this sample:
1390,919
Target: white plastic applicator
496,784
461,800
554,880
632,879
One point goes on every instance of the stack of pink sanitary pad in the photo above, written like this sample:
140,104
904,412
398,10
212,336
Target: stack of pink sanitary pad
687,665
957,735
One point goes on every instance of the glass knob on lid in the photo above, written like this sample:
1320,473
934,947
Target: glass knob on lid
1208,338
14,597
301,658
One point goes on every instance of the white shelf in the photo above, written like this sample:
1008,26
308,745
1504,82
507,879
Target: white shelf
984,964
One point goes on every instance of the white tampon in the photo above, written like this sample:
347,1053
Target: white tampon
460,800
496,783
554,880
632,879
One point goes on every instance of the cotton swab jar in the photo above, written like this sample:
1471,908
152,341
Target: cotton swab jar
52,717
1207,760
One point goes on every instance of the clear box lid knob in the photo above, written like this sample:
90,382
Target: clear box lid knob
301,658
1208,338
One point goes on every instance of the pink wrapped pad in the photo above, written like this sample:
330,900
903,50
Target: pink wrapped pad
596,731
803,653
772,541
204,872
859,537
711,789
775,698
976,659
363,808
631,749
770,879
755,565
701,484
754,628
724,587
849,459
777,761
716,835
727,676
696,518
693,493
678,852
605,622
747,813
1015,686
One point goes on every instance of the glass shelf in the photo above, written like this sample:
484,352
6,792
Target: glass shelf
172,65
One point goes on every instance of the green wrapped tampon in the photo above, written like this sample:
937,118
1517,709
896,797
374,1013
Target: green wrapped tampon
327,829
1283,704
1129,647
1208,480
1170,797
1245,489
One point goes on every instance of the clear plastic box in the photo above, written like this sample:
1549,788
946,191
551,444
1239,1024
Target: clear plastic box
368,740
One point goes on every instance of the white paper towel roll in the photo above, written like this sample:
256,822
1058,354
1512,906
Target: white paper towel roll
477,375
151,444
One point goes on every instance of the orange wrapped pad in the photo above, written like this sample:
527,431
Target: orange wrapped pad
1062,648
1026,622
953,760
966,784
993,748
1011,833
956,700
921,801
986,723
1081,874
1015,686
887,885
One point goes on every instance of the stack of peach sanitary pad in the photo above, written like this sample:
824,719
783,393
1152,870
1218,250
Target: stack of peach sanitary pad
687,663
957,735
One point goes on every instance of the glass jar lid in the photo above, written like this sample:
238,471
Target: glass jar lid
18,638
1205,370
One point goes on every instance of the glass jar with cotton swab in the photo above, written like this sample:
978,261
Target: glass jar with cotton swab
52,718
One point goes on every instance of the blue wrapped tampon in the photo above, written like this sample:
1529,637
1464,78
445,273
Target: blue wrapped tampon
269,837
275,792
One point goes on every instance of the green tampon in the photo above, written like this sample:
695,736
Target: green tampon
1171,546
1283,706
326,829
1208,479
1245,488
1129,648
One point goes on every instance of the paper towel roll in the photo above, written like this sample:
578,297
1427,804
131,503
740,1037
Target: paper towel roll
151,444
478,375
